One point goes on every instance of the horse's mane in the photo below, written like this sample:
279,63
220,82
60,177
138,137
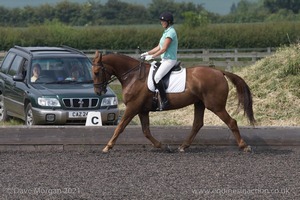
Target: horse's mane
124,56
128,60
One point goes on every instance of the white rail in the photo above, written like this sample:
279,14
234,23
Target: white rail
227,58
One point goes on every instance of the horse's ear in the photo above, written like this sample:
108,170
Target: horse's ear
96,54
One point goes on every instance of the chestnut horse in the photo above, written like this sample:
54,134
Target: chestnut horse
205,88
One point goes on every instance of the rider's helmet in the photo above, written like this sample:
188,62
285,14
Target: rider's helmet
167,16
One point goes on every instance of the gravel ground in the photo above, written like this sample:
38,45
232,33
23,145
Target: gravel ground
141,172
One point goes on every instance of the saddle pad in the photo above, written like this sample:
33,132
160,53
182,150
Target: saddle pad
176,83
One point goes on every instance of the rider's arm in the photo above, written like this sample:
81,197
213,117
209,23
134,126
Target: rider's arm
154,50
161,50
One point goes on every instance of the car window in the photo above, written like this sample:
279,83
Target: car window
62,69
16,66
7,62
24,68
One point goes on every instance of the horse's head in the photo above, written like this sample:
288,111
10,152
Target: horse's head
100,76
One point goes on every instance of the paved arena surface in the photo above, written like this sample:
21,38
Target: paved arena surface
141,172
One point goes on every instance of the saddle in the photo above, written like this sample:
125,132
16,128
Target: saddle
178,81
166,78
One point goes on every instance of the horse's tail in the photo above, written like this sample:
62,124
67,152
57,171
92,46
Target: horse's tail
244,95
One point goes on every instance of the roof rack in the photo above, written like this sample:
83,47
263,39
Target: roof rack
72,49
23,49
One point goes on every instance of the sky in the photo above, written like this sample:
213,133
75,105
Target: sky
217,6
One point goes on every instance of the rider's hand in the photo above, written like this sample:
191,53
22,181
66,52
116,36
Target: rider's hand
144,54
149,57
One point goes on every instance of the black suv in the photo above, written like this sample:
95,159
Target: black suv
51,85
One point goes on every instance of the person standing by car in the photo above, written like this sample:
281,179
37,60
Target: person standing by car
35,72
167,50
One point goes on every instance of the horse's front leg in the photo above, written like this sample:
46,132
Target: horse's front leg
127,117
144,118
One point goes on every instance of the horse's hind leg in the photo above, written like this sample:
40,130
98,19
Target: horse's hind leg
232,124
144,118
197,124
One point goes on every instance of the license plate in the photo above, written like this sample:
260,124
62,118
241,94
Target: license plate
78,114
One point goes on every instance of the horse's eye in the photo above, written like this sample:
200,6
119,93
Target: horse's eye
96,73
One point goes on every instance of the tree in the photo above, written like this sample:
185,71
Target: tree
67,12
159,6
112,9
233,8
119,12
45,12
275,5
86,14
246,11
283,15
193,20
4,17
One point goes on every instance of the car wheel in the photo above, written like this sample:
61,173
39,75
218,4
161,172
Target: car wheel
29,120
3,113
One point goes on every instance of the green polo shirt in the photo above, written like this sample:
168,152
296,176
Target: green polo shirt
171,52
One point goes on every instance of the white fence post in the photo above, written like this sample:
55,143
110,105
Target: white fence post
205,55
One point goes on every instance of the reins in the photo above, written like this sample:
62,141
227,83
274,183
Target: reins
133,69
113,77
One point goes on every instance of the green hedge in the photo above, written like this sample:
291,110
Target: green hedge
255,35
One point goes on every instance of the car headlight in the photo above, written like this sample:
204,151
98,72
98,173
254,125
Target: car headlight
51,102
109,101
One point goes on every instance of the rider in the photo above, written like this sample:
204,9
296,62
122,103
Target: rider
167,50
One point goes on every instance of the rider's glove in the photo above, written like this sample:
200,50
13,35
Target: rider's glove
149,57
144,54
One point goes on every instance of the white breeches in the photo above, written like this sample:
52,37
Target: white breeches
165,66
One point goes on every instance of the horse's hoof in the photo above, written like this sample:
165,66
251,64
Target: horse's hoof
159,145
106,149
181,149
247,149
167,148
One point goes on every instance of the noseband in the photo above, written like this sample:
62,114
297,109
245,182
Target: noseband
105,82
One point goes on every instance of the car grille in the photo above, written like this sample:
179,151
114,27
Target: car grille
81,102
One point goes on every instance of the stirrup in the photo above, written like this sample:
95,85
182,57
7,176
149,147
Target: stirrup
164,104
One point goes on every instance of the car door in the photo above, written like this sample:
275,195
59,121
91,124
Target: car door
4,76
15,90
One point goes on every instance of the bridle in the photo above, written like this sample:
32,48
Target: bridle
104,72
105,82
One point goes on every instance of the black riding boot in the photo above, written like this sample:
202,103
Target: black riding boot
162,91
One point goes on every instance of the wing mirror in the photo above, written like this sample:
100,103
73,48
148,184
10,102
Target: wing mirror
18,77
